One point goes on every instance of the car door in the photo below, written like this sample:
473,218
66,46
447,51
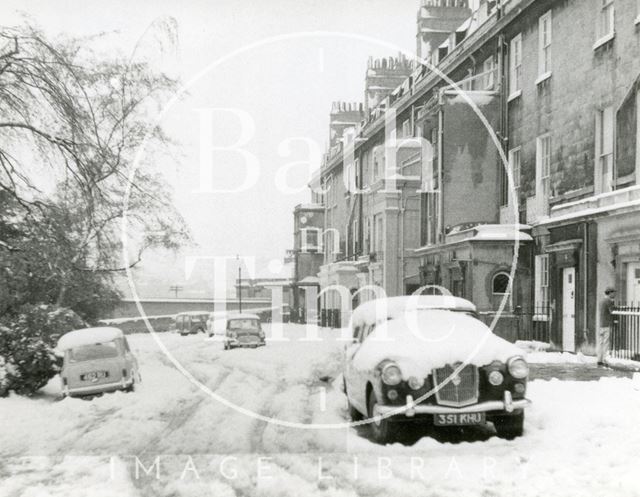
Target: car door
349,352
360,372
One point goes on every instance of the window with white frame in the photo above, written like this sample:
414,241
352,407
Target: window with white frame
354,236
515,65
604,127
378,232
488,70
350,178
606,19
406,128
514,167
541,286
467,83
357,180
377,165
310,239
328,244
544,44
543,171
366,242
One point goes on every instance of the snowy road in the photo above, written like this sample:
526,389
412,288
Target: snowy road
169,438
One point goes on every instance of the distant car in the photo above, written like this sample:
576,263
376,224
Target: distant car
191,323
243,330
97,360
430,359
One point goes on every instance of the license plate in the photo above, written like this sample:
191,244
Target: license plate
93,376
460,419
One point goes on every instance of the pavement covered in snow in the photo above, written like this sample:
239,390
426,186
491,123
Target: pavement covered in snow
170,438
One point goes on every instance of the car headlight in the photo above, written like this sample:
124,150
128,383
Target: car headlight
391,374
518,367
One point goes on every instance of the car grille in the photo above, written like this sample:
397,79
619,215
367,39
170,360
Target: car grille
460,390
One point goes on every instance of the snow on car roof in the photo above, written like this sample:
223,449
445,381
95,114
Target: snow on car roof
243,316
88,336
192,313
419,343
393,307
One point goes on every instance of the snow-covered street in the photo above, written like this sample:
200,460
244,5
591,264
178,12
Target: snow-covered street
170,438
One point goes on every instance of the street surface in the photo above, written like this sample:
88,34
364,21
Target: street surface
581,434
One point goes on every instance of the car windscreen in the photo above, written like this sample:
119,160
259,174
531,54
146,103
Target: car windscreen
93,351
244,324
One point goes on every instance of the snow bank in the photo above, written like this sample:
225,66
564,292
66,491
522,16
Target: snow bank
560,357
379,310
88,336
581,437
424,340
533,345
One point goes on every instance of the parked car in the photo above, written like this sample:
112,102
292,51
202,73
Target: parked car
430,359
243,330
97,360
191,323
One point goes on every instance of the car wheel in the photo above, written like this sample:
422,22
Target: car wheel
509,427
354,414
381,429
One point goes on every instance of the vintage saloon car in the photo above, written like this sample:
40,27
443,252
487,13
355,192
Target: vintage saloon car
97,360
430,359
191,323
243,330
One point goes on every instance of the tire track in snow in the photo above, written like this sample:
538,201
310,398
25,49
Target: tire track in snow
186,410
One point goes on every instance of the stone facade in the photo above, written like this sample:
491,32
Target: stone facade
534,127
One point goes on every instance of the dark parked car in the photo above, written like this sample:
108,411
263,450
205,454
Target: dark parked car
430,359
190,323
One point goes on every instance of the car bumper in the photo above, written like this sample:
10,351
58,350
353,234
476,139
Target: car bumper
252,343
95,389
410,409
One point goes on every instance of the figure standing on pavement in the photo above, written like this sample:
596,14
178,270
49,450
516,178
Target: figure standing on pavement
606,320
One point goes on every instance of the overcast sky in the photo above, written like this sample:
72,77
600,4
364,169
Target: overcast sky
286,86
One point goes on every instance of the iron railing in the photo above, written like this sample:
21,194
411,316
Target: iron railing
533,324
625,332
330,318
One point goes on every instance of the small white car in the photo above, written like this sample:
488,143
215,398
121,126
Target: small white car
430,359
97,360
243,330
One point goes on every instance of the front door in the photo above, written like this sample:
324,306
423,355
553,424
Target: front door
633,283
569,309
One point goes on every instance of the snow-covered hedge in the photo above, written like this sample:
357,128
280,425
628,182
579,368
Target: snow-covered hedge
27,340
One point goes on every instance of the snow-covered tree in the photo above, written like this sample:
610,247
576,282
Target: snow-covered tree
76,117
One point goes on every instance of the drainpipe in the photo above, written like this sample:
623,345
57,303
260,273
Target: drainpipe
440,172
401,258
504,111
